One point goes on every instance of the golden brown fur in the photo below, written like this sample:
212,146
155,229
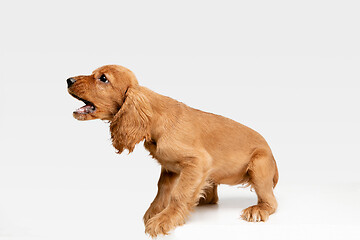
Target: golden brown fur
197,150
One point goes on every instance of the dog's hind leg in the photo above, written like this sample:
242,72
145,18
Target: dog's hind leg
263,176
209,195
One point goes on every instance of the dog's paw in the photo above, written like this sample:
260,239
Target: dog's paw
163,223
255,213
159,224
150,213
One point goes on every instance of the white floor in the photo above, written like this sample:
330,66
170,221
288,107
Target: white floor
305,212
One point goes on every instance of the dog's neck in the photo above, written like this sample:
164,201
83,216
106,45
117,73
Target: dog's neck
143,115
166,111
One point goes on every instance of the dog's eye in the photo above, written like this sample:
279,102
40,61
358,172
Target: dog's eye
103,78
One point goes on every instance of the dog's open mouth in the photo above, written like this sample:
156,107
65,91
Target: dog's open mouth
88,108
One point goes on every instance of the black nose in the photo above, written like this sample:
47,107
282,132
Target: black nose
70,81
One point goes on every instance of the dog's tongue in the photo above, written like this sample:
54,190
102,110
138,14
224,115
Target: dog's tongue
85,109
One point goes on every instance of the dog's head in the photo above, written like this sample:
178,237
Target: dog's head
112,93
103,92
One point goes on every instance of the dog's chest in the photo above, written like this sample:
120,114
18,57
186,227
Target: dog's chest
163,157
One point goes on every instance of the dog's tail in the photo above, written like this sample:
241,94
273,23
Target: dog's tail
276,176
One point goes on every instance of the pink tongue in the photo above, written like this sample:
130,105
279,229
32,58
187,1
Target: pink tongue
84,109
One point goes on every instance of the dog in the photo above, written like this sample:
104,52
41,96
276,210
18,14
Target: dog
197,150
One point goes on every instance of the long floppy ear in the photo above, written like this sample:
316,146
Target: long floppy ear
131,124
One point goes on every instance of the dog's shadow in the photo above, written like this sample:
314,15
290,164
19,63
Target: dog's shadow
212,212
235,202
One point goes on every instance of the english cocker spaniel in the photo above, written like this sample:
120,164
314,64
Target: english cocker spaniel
197,150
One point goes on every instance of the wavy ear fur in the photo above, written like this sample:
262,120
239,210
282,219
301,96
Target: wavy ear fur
131,124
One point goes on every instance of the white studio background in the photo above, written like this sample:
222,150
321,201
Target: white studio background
288,69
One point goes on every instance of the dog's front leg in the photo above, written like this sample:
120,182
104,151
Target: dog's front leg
162,199
184,197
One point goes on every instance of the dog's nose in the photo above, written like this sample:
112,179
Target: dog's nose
70,81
